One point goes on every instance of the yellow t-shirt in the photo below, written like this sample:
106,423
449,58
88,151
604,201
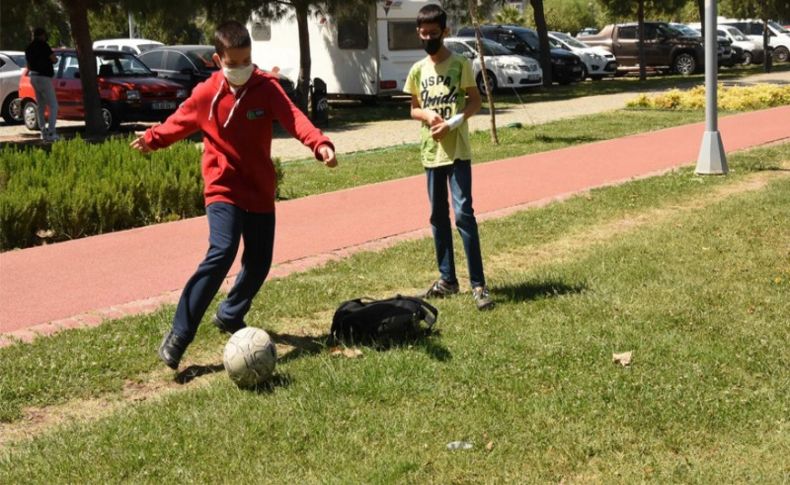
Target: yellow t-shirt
442,88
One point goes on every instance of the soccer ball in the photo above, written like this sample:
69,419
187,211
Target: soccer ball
250,357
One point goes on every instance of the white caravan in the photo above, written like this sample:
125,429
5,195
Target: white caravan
360,57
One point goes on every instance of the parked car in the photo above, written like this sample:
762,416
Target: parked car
129,91
504,69
665,47
132,46
778,40
587,31
11,65
726,55
187,65
566,67
190,65
753,52
598,62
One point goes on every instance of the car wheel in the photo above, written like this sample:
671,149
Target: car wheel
585,73
11,110
111,121
30,116
781,54
746,58
491,82
684,64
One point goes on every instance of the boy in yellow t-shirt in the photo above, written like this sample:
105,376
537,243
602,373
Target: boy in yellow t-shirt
443,96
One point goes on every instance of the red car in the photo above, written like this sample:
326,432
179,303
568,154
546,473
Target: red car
129,91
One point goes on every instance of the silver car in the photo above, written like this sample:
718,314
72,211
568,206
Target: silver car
11,65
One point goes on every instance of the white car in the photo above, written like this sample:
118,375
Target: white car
505,69
598,62
753,52
778,40
11,65
132,46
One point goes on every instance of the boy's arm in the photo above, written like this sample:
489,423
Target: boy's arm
177,126
428,116
300,127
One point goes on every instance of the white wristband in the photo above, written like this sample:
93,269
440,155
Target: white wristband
455,121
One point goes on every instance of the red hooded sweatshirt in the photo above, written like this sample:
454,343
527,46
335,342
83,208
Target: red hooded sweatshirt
237,137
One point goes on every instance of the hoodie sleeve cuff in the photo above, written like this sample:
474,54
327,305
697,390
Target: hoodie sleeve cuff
324,142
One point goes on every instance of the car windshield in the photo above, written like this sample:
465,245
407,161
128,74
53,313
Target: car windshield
683,30
202,59
530,37
570,40
491,48
19,60
120,64
778,28
736,34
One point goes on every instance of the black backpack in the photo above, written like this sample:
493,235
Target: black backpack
390,319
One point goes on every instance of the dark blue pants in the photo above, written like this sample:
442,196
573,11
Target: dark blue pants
459,178
227,226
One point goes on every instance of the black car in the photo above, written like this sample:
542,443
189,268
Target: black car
190,65
566,67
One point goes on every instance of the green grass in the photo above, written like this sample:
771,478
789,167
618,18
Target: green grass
306,177
700,296
349,113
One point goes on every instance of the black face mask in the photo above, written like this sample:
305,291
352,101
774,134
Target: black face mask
432,45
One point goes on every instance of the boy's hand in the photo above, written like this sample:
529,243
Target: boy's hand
439,131
140,145
433,118
327,156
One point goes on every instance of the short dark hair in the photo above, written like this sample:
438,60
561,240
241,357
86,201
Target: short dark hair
432,14
39,31
231,35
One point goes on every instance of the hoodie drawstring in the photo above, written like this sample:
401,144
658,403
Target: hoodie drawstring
235,105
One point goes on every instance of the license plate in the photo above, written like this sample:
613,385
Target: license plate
577,69
533,77
164,105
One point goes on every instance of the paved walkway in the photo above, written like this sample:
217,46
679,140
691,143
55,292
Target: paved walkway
82,282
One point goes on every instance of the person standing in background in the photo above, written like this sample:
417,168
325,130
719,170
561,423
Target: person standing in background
40,60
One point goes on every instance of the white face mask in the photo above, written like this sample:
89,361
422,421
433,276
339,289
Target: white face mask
238,75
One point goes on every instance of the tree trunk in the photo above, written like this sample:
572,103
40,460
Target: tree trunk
305,62
543,38
768,62
489,95
640,14
80,32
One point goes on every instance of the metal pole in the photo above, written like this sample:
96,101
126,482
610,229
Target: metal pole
131,25
712,159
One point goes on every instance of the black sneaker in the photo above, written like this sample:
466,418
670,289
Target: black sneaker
482,298
172,349
441,289
227,327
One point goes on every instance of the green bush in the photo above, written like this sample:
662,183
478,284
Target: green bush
79,189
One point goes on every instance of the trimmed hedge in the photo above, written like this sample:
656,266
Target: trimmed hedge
79,189
735,98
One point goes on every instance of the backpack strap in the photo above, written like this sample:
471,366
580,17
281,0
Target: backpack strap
430,312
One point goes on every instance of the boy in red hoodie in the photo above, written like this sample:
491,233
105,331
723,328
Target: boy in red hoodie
235,109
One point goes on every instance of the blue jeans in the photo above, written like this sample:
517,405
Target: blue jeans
227,225
459,177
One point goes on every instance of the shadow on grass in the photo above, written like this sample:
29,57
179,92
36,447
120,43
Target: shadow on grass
425,340
565,139
194,371
536,291
277,381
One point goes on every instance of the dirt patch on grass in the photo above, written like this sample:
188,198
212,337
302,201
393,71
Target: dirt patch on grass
572,246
